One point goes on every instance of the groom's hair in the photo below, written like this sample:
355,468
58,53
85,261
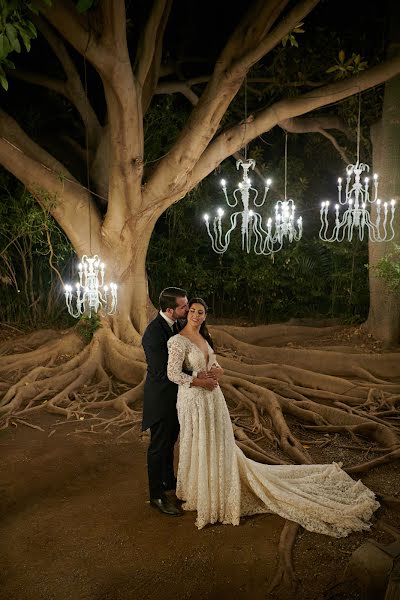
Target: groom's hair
168,297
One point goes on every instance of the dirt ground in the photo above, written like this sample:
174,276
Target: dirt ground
75,524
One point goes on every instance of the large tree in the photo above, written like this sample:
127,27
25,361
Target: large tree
331,392
127,198
385,324
136,197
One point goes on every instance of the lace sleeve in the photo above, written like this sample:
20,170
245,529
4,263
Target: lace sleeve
176,356
213,361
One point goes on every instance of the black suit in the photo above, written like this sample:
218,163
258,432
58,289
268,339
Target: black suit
159,408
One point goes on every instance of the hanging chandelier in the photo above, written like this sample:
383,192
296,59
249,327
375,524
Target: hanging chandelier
264,239
246,194
91,294
356,218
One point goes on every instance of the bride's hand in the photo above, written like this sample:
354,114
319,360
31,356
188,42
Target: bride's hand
216,372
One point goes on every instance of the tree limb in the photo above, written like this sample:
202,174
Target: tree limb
53,186
74,28
147,67
234,138
108,52
249,40
270,41
72,87
319,124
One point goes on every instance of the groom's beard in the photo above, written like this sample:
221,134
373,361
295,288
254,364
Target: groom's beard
181,323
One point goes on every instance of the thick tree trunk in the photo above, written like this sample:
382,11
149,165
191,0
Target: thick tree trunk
126,265
384,314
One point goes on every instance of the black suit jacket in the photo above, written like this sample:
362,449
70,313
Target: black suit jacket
159,392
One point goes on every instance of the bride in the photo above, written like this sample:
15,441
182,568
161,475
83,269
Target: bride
217,480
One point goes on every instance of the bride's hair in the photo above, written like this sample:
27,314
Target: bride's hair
203,328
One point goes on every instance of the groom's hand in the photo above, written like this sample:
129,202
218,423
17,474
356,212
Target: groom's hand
207,383
204,375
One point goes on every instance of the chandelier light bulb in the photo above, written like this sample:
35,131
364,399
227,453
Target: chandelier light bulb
250,221
92,295
206,217
356,219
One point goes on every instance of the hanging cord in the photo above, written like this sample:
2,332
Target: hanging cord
87,154
358,127
285,163
245,115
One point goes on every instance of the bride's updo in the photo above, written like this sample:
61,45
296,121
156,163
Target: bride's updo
203,328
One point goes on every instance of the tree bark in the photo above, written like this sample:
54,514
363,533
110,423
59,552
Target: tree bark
384,313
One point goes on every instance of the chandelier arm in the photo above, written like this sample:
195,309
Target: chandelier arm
217,245
255,197
260,239
234,195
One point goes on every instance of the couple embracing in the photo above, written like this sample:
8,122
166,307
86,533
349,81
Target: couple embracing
182,397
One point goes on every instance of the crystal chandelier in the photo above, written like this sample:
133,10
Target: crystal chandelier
264,241
356,219
91,293
250,218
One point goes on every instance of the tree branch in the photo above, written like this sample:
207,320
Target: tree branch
50,83
181,86
236,137
249,40
178,86
283,28
336,145
74,28
319,124
72,87
53,186
108,52
147,67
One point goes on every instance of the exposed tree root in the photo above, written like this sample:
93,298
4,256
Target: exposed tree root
285,575
276,395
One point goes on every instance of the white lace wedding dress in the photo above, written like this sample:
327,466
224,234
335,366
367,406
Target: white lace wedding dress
217,480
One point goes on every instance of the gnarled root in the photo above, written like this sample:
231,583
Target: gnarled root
72,377
285,576
285,403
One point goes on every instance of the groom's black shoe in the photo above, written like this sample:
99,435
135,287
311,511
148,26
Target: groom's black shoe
166,506
169,486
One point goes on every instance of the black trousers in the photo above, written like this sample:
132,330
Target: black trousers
160,454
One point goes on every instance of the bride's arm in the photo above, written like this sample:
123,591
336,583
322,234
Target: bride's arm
176,356
216,370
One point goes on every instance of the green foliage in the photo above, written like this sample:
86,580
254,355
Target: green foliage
17,29
87,326
344,68
291,36
308,278
388,268
34,253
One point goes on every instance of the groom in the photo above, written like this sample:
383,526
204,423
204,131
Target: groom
160,394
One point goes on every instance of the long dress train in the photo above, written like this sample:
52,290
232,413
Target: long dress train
218,481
